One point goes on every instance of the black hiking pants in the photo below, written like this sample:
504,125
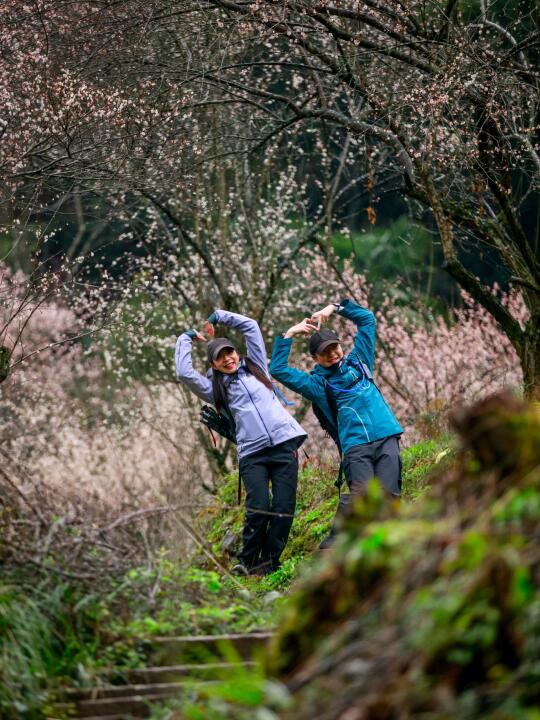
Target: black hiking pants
381,459
265,535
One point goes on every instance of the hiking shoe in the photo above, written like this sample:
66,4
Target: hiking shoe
327,543
240,570
262,570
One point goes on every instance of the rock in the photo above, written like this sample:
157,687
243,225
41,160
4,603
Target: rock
271,597
229,544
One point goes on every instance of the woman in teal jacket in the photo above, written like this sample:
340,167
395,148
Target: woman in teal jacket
368,430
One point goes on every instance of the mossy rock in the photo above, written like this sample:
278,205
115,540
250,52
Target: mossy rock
429,609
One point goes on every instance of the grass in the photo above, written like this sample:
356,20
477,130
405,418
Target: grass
44,639
419,461
52,636
316,505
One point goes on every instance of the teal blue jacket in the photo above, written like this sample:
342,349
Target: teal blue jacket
363,413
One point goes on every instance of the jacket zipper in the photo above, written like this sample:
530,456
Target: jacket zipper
257,409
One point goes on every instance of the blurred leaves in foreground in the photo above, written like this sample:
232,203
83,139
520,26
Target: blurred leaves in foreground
427,609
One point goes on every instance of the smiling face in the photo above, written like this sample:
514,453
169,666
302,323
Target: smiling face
330,355
227,361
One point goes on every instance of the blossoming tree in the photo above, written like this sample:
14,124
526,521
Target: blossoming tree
443,95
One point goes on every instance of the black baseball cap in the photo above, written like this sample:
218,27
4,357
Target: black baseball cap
216,346
320,340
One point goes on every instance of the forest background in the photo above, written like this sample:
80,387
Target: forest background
164,158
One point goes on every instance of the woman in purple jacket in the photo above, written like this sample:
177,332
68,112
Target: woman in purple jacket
267,436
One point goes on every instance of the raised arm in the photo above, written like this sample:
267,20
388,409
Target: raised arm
249,328
364,319
197,383
297,380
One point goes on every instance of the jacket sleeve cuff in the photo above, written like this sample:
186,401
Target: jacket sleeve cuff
212,319
283,340
342,305
190,333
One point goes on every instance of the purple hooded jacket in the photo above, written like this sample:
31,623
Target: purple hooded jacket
261,421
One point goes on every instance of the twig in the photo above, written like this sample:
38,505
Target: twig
197,540
22,496
62,573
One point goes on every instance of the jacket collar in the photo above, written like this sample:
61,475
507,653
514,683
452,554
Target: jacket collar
331,371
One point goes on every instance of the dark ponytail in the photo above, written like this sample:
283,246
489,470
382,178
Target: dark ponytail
220,391
261,376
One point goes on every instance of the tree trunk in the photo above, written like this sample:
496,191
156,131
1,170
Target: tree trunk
4,363
530,359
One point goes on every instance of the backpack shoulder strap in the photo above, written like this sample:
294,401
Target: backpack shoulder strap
330,426
360,365
331,400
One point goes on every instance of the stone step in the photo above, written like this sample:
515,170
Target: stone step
167,678
169,673
137,705
77,695
174,650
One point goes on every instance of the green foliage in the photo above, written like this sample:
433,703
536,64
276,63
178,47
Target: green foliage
45,637
26,637
243,693
188,601
420,460
316,506
52,637
440,593
398,258
453,592
282,578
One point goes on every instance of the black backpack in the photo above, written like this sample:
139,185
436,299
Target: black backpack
330,426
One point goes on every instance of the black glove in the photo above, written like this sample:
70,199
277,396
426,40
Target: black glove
218,422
